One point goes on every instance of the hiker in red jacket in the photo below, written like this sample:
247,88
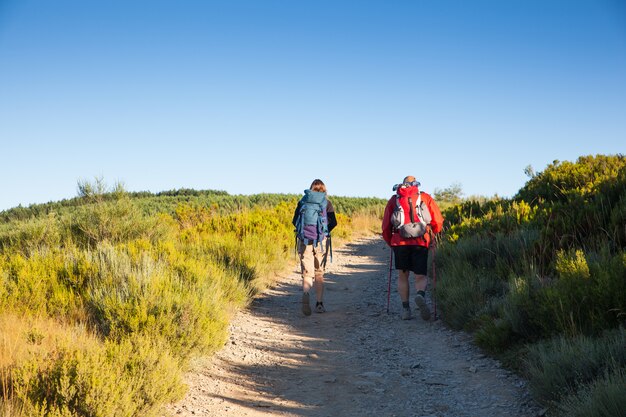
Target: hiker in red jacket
410,219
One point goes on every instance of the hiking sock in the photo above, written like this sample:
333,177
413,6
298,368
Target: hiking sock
405,304
422,293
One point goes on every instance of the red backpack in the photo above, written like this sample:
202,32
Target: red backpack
409,201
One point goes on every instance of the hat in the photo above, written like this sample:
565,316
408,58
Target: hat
408,181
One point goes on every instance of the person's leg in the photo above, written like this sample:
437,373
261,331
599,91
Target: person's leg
403,266
306,262
421,281
403,285
403,290
319,287
319,278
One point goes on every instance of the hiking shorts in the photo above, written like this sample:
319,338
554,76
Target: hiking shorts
411,258
312,259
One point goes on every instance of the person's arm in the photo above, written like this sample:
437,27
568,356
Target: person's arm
332,221
295,213
386,226
330,215
436,224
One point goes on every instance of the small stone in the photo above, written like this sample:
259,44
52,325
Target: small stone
473,369
371,374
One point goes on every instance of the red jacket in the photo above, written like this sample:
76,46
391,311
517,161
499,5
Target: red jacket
393,238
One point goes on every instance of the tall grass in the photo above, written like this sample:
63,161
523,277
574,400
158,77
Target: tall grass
560,366
603,397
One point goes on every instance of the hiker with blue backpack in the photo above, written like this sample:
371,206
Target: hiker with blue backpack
410,219
314,219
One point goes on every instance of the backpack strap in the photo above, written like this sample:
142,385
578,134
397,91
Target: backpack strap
411,209
398,209
418,206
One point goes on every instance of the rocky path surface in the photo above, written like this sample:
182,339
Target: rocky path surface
353,360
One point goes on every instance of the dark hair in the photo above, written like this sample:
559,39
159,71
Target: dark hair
318,185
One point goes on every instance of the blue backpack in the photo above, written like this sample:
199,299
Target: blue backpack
312,222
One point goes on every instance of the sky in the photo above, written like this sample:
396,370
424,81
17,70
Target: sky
265,96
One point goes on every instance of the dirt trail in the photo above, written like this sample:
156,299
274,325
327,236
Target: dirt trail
353,360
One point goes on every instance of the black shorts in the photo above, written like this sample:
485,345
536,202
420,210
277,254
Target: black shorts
411,258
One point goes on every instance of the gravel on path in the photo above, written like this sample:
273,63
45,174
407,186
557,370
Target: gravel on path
353,360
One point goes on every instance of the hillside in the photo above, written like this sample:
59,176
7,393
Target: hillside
106,300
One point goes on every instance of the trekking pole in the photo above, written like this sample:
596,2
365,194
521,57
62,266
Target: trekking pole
434,282
330,248
389,280
295,246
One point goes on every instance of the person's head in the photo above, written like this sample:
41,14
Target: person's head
408,181
318,185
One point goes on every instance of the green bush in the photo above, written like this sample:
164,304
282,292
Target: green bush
604,397
30,235
548,263
561,366
130,378
114,221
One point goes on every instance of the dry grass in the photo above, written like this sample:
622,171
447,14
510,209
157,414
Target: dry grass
26,339
365,225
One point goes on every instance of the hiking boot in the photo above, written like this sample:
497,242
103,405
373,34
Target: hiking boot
421,304
406,314
319,307
306,305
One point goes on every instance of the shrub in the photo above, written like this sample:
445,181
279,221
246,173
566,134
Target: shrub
30,235
114,221
181,301
604,397
559,366
548,264
114,379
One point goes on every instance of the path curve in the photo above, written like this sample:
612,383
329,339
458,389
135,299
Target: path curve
353,360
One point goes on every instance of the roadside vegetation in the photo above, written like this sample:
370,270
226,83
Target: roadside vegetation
540,280
106,297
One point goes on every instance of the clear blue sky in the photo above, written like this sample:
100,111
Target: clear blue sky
267,95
